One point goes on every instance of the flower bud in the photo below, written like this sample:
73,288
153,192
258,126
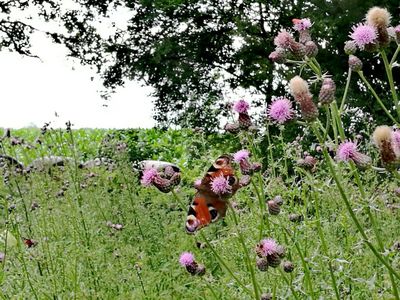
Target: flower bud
278,56
296,218
288,266
327,92
355,64
273,207
350,47
311,49
262,264
274,260
232,128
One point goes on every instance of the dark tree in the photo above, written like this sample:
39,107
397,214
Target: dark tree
190,51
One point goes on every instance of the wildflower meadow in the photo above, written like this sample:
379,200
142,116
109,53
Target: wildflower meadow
245,213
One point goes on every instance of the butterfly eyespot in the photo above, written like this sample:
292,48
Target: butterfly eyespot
213,213
231,180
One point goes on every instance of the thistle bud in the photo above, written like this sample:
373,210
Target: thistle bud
273,207
232,128
355,64
327,92
350,47
278,56
298,50
288,266
244,121
311,49
274,260
278,200
262,264
296,218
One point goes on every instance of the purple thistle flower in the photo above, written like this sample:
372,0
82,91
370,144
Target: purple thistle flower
148,176
186,259
346,151
268,247
241,106
363,35
241,155
302,24
280,110
220,185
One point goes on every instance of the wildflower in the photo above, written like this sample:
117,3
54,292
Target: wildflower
303,26
280,110
148,176
346,151
268,247
186,259
220,185
241,106
363,35
350,47
355,64
378,17
241,155
300,92
397,32
309,162
244,181
327,92
382,137
288,266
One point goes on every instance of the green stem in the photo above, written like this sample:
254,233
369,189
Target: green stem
222,262
389,74
395,55
346,89
288,283
349,208
246,255
361,74
336,114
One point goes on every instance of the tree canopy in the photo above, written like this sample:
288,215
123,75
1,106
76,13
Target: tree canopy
188,51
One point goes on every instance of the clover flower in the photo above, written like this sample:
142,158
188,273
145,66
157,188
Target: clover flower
280,110
220,185
363,35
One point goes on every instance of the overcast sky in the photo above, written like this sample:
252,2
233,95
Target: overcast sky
32,91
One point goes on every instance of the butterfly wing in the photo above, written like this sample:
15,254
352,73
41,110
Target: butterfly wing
203,211
207,206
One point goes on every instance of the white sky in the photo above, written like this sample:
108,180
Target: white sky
31,91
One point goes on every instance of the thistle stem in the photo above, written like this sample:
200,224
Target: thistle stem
389,74
346,89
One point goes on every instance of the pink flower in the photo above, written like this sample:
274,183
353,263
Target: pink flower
284,40
397,29
280,110
346,151
197,183
301,24
268,247
186,259
241,106
148,176
363,35
220,185
241,155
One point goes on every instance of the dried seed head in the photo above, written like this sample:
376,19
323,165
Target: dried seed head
298,86
378,17
382,133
